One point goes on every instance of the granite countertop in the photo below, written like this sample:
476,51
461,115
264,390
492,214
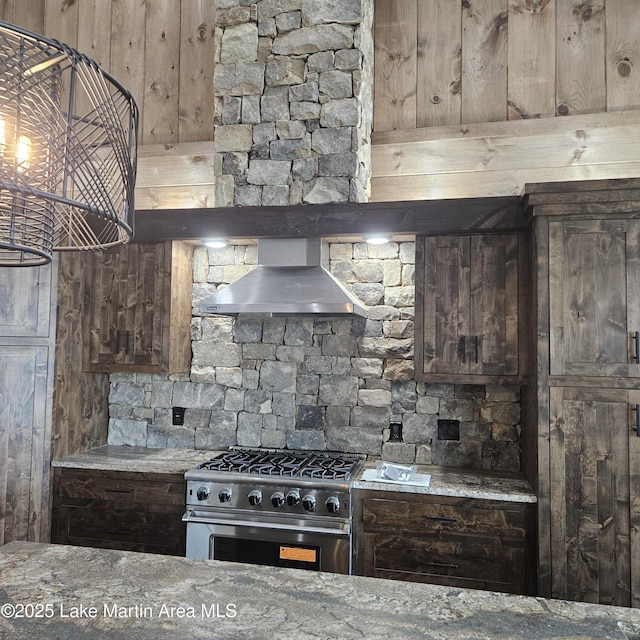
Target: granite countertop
140,459
75,593
448,481
445,481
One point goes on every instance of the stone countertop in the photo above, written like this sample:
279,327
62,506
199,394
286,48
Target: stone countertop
445,481
140,459
449,481
124,595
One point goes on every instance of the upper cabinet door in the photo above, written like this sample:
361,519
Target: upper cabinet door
445,304
139,309
594,297
25,301
494,305
467,305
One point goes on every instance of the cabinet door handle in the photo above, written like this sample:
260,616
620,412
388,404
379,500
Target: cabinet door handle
636,339
477,348
441,518
463,348
638,420
118,341
127,346
442,565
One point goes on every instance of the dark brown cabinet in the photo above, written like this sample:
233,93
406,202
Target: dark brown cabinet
458,542
594,279
468,303
595,494
119,510
586,400
139,308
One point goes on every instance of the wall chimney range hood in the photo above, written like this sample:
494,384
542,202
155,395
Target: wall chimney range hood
290,279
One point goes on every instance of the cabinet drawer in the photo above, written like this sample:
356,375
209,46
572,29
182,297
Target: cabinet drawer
128,530
161,493
463,564
475,517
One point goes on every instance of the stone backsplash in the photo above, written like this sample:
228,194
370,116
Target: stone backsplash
317,382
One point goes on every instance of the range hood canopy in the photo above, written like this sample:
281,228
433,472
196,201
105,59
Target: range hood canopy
290,279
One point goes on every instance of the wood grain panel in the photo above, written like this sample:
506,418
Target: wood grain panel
80,411
445,517
589,441
161,72
445,562
499,158
131,323
28,14
439,46
531,59
591,326
447,304
61,19
484,61
195,118
494,305
93,39
119,510
128,47
26,300
622,55
25,428
395,64
580,64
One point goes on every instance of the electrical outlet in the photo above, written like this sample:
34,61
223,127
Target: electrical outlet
448,429
177,414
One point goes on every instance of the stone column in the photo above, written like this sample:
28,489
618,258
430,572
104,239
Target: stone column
293,101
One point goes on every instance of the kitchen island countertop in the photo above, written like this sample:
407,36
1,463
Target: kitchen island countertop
50,592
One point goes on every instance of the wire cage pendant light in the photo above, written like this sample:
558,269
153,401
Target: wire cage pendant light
68,151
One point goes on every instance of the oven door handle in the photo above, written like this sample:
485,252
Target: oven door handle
190,516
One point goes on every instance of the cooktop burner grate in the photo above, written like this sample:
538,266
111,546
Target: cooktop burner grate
282,462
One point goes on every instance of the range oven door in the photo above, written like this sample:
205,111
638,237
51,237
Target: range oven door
283,542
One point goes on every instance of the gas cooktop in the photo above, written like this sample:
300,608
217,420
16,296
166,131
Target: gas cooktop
324,465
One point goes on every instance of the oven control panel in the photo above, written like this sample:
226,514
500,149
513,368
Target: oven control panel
274,498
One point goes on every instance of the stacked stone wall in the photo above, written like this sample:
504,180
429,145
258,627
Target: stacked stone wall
293,101
317,382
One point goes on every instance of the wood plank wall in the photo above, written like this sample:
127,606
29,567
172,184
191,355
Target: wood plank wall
440,62
160,50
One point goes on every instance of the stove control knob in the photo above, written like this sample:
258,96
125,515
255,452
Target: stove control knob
202,493
293,498
309,503
255,497
224,495
277,499
332,504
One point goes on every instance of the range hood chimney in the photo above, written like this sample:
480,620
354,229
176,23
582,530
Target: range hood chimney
290,279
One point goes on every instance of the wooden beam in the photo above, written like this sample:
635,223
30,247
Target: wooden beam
415,217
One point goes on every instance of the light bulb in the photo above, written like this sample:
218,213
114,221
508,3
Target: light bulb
377,240
23,153
216,243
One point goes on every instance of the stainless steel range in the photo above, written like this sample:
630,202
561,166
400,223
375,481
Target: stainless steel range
276,507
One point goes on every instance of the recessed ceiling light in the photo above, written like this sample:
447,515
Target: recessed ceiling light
215,243
377,239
